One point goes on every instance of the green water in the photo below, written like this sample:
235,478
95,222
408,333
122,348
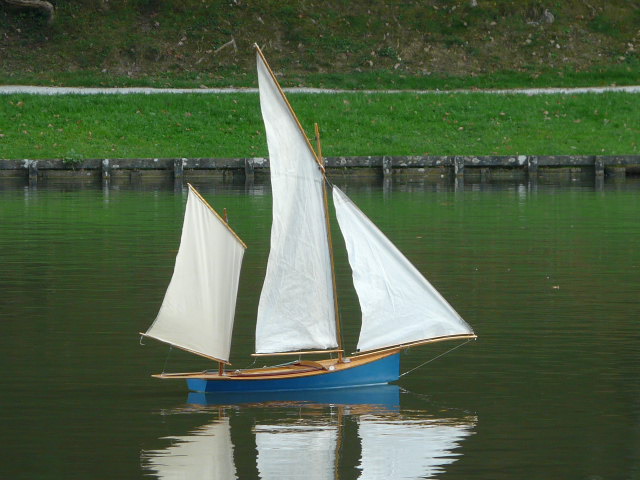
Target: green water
549,277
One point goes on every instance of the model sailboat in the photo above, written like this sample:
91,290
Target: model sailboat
298,311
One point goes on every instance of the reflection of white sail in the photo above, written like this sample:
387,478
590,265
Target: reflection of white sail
407,449
207,453
296,451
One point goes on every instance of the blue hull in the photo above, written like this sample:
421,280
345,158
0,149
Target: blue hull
384,370
386,397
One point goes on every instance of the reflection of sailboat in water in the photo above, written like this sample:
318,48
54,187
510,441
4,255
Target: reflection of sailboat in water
391,448
297,451
207,452
408,448
365,441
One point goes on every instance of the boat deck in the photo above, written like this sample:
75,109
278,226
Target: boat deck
294,369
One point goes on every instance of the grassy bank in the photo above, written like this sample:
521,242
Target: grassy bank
370,44
121,126
628,74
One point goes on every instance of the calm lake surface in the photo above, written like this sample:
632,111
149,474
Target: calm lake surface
548,276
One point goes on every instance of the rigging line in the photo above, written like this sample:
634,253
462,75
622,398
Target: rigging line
328,182
429,400
164,367
287,363
255,359
421,396
435,358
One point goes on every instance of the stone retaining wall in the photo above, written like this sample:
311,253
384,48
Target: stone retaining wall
459,167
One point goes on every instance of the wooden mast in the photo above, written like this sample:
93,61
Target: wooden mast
330,240
320,163
318,144
226,220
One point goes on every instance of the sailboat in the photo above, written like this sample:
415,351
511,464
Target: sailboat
298,310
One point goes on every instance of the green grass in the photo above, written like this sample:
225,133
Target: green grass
624,74
627,74
365,44
131,126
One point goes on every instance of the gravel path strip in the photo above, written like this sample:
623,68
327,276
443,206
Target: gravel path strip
13,89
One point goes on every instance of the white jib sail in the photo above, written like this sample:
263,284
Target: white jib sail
398,304
199,307
296,309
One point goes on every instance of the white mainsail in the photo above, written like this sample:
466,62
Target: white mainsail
398,304
198,309
205,453
408,449
296,309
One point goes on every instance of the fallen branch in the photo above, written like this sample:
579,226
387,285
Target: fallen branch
232,42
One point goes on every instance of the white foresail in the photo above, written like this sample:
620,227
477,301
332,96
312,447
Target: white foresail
296,309
199,306
398,304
